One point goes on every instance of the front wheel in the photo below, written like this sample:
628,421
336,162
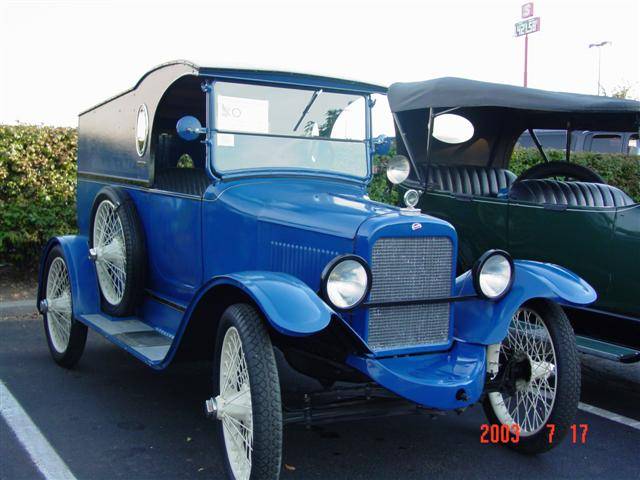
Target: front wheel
248,403
539,377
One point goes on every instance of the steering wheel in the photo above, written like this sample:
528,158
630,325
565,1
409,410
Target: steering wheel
567,170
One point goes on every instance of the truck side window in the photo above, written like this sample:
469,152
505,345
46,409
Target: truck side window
606,143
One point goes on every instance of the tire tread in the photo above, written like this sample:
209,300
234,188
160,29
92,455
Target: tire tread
265,388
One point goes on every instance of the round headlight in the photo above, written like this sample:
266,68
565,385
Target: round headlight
493,274
398,169
346,281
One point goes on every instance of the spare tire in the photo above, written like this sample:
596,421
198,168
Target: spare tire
116,242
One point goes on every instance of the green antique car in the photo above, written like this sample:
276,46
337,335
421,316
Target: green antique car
455,139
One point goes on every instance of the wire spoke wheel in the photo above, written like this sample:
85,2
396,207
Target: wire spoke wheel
58,298
246,403
234,405
110,247
66,337
532,401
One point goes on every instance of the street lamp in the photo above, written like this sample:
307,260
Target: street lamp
598,46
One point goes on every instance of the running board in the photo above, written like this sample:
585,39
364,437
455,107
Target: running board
135,336
610,351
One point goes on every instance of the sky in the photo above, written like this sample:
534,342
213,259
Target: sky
60,57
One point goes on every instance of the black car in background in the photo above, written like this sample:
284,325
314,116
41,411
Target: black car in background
625,143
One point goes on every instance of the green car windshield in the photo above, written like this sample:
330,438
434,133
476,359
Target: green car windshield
259,127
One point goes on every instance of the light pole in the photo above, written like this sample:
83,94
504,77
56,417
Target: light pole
530,24
599,47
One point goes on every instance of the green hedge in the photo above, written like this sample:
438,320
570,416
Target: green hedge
38,180
380,189
37,189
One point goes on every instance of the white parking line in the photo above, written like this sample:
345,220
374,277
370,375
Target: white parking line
39,449
629,422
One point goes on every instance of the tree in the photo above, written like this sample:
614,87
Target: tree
623,90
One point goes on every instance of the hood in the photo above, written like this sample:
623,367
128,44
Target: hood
322,206
298,225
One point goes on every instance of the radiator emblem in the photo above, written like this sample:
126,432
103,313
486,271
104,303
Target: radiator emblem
416,226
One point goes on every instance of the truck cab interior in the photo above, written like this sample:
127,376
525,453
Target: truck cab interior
179,165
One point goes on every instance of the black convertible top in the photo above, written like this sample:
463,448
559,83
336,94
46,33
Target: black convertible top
499,114
449,92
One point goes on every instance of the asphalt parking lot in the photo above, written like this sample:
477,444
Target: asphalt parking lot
112,417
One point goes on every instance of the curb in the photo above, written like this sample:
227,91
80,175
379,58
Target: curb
18,306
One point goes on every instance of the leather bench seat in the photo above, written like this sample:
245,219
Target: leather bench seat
573,194
190,181
467,180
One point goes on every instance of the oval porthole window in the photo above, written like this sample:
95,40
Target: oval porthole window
450,128
142,129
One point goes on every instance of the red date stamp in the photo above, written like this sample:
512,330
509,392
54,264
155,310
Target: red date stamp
499,433
511,433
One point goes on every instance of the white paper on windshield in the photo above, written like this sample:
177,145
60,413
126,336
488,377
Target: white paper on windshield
242,114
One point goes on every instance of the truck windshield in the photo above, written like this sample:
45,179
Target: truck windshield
260,127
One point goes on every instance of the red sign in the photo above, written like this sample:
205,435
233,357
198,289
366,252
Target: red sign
525,27
527,10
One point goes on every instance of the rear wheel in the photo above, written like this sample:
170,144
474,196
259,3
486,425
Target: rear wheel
66,337
540,377
247,403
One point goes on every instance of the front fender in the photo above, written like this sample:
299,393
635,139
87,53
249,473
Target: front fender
82,273
288,303
486,322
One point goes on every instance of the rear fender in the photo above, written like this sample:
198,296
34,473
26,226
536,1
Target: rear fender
486,322
82,273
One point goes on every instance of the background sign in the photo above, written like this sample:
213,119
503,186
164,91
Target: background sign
527,10
530,25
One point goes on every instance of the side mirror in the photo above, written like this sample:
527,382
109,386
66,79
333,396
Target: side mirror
189,128
382,145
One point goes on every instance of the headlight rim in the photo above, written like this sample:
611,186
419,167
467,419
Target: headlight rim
477,268
324,279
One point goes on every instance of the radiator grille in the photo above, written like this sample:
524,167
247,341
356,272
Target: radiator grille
410,269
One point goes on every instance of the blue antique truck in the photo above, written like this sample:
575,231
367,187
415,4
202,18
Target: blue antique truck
223,214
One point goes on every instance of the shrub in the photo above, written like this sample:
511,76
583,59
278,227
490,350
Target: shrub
380,189
37,189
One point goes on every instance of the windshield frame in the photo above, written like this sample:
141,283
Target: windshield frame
211,131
